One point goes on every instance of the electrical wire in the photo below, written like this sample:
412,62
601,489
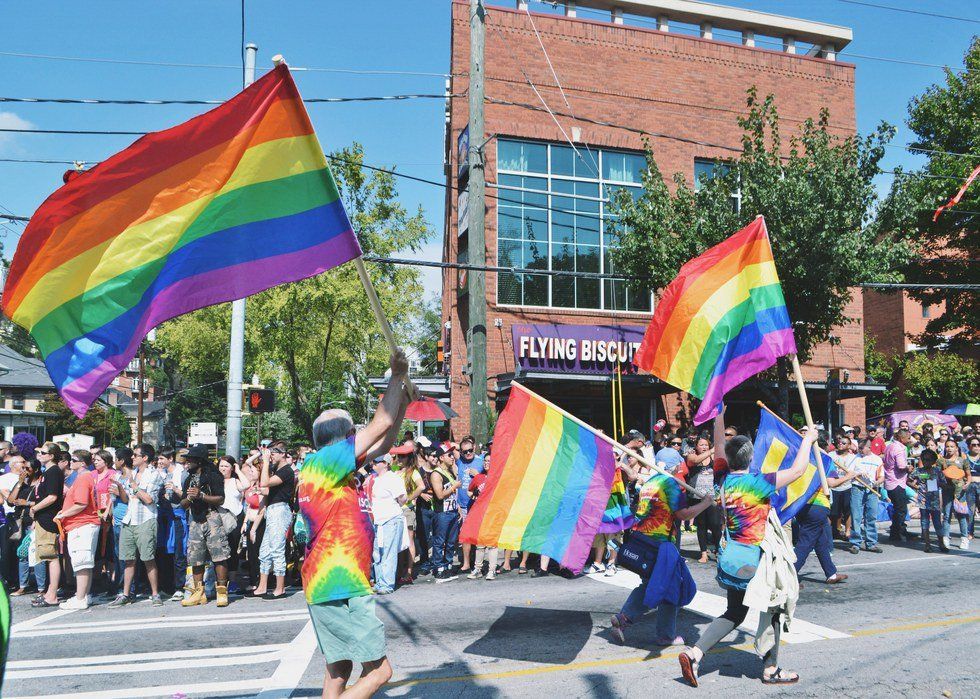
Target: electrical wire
309,100
909,11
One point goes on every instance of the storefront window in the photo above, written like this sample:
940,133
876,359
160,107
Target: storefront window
551,214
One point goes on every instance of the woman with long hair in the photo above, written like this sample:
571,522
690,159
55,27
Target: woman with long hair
405,465
102,461
698,472
955,485
745,510
236,483
21,497
253,526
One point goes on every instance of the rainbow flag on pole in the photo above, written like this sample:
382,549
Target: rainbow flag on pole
720,322
549,482
228,204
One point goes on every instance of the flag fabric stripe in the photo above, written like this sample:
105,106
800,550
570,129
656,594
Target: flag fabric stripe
101,304
722,320
76,218
549,482
164,227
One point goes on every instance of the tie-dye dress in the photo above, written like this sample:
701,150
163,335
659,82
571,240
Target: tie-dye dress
338,558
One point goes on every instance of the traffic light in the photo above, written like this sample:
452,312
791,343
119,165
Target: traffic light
260,400
440,355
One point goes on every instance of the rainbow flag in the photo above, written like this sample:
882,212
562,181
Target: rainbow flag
618,515
776,446
228,204
720,322
549,482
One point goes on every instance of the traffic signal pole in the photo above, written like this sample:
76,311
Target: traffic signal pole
236,354
477,287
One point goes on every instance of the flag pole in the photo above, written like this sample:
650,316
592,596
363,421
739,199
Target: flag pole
606,438
622,418
612,382
809,420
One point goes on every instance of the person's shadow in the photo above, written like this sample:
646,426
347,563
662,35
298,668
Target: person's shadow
519,632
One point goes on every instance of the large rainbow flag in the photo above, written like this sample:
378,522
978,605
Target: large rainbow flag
226,205
720,322
549,482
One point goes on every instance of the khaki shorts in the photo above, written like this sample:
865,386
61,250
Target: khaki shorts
409,514
349,629
46,543
81,546
207,541
138,540
602,540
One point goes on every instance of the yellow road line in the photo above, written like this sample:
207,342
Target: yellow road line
616,662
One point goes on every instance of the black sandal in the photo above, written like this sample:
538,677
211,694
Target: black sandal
778,677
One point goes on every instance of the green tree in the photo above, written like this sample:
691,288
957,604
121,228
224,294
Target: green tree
426,332
828,228
105,425
937,380
880,368
946,122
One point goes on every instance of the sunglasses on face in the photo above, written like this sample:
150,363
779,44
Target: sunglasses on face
76,461
467,451
675,444
729,434
278,451
44,453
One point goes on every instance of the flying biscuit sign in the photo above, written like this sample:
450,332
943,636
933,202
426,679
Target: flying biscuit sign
582,349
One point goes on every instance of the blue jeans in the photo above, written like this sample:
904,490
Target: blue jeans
426,519
948,515
387,544
972,498
120,565
864,517
445,534
272,552
180,552
40,574
815,535
634,608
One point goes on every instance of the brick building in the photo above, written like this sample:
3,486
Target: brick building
676,68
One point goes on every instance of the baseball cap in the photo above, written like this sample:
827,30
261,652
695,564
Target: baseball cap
424,441
846,428
435,450
636,434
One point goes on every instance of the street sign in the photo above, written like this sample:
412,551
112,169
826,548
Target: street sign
203,433
260,400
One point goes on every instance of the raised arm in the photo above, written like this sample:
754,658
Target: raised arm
380,434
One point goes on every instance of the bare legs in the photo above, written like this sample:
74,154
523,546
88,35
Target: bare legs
374,675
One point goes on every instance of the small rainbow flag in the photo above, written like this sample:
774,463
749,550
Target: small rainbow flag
720,322
550,479
228,204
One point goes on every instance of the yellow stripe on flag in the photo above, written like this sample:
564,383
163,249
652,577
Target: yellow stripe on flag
774,456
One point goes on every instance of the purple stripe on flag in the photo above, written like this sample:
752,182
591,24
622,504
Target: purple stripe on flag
207,289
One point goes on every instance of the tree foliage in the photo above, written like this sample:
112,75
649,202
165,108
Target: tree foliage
946,122
105,425
937,380
316,341
880,368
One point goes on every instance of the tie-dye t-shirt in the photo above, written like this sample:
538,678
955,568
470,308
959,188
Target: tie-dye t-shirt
338,558
747,498
618,516
660,498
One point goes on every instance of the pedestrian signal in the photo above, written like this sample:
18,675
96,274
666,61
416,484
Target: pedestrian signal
260,400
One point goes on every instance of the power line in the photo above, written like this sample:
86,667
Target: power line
309,100
909,11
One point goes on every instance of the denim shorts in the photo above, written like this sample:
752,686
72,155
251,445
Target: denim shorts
349,629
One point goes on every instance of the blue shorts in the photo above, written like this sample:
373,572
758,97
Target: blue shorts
349,629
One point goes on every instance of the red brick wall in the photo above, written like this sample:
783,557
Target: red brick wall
673,84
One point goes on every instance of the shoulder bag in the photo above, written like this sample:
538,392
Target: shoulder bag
737,562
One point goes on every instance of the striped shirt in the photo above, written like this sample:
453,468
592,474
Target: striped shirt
150,481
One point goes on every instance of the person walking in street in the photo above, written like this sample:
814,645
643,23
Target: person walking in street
662,505
278,476
864,499
203,495
79,519
337,569
698,472
386,490
445,525
468,465
138,537
897,469
48,498
745,503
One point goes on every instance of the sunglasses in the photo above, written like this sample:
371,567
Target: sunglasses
278,451
76,461
44,453
467,451
675,444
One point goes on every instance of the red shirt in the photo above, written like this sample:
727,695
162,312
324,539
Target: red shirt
82,491
878,446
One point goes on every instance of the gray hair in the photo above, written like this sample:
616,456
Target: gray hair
332,426
738,451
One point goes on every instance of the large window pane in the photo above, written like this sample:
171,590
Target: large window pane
623,167
522,156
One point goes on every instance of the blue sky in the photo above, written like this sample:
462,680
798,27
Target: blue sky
384,35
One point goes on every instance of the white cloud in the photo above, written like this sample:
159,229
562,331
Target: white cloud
9,120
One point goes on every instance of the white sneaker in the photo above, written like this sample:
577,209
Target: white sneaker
177,596
611,570
73,604
596,568
490,576
946,541
964,544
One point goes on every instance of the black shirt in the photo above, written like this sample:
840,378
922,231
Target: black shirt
210,482
284,492
52,483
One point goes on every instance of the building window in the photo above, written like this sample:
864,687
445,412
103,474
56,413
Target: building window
705,170
925,310
552,215
17,400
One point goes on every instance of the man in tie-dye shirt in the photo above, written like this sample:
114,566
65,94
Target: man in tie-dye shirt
338,558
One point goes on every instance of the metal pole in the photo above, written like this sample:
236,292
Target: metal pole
477,233
236,355
139,396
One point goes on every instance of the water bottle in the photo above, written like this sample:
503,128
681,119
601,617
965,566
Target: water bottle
659,425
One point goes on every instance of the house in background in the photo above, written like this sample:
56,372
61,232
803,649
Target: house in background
24,384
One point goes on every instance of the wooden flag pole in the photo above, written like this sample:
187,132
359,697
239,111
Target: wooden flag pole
622,418
615,423
809,421
379,313
606,438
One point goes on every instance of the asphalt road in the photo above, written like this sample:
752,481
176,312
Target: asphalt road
906,623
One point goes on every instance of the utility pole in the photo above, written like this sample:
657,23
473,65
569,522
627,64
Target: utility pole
141,381
236,355
477,286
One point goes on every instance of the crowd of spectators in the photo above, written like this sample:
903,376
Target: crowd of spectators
111,525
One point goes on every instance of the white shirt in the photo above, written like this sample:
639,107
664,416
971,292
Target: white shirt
150,481
233,497
868,466
845,461
7,482
386,488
